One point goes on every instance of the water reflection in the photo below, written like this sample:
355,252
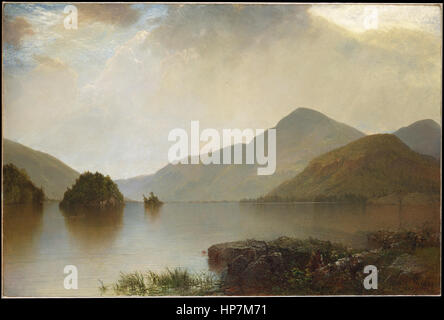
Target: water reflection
93,229
103,243
152,213
22,224
341,222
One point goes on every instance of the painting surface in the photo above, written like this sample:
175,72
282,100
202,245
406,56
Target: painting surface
221,149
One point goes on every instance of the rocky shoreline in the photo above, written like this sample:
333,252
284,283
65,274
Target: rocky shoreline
293,266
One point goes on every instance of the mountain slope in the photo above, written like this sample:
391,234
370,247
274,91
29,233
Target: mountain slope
371,167
134,186
422,136
43,169
300,136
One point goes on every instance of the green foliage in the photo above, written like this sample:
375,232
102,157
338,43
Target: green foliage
93,190
169,282
18,188
299,280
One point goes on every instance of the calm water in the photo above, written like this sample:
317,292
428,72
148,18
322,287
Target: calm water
39,242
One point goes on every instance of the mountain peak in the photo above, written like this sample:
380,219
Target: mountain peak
302,116
425,123
301,111
423,136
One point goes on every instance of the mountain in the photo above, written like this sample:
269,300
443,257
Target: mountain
372,167
43,169
134,186
422,136
300,136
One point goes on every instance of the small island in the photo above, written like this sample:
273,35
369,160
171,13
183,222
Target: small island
18,187
152,202
93,190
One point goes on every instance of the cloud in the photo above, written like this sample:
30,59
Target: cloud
227,66
39,99
231,63
121,15
232,26
354,17
48,62
15,30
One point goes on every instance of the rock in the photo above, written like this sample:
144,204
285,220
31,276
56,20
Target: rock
261,267
255,264
220,255
350,265
407,267
257,273
236,268
276,262
295,252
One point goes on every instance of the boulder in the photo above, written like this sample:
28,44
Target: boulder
235,269
257,273
221,255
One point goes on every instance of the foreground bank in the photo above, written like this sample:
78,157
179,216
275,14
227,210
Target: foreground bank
407,262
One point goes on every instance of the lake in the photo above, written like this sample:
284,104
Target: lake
39,242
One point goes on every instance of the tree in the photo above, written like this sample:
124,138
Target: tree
93,190
18,188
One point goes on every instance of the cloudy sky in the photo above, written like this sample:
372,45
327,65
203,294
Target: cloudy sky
104,96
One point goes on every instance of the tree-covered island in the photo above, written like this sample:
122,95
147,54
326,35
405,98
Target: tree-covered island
152,201
93,190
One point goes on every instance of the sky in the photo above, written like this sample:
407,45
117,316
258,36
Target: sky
103,97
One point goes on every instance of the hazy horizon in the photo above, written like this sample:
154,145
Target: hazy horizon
152,173
104,97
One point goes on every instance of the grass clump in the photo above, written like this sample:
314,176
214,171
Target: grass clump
169,282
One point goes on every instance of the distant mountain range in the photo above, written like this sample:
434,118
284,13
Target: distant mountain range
43,169
372,167
423,136
300,136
